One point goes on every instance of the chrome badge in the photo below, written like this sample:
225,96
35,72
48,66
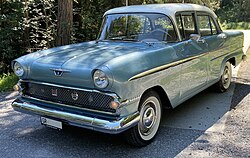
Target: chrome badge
59,72
74,95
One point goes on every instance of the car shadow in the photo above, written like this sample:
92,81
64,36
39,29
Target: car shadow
242,89
200,112
179,129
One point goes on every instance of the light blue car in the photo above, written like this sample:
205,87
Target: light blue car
146,58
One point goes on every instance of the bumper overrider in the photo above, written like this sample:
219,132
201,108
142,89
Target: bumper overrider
106,126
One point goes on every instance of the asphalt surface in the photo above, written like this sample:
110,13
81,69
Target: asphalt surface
219,131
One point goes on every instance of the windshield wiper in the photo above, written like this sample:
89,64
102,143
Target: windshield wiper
123,39
116,38
129,39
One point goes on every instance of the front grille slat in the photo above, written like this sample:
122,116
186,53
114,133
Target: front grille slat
85,99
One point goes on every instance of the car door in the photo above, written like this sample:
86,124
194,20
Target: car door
211,33
194,56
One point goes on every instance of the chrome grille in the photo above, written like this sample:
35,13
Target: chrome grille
78,98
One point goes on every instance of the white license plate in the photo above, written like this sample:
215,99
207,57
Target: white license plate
51,123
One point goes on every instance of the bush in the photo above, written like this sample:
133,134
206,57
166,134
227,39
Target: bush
234,25
7,81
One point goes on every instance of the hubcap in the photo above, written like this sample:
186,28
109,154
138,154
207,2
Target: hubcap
226,77
150,118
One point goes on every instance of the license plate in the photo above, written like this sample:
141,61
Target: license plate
51,123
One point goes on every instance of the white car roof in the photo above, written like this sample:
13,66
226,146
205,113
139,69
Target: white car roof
167,9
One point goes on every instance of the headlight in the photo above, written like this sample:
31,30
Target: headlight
18,69
100,79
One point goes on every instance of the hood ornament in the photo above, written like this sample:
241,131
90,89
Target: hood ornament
59,72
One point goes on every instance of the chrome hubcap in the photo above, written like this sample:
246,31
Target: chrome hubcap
226,76
148,119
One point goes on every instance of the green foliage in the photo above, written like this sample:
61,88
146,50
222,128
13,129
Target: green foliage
213,4
234,11
31,25
7,81
25,26
10,33
237,26
39,24
88,17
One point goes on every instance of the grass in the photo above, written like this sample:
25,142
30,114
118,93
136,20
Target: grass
7,81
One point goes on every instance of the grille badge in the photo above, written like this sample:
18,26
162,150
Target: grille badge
54,92
74,95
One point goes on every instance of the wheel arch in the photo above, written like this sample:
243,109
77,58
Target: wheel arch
166,104
232,60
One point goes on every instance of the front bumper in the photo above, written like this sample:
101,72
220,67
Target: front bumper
102,125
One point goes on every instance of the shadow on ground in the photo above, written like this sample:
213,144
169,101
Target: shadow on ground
22,135
241,91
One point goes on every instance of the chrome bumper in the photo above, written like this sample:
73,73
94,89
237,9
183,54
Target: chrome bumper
102,125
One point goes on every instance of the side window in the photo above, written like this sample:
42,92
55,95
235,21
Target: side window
206,25
186,25
179,26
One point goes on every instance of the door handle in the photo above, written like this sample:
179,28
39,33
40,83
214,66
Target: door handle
222,36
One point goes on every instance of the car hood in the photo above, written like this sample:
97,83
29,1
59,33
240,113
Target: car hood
78,61
89,54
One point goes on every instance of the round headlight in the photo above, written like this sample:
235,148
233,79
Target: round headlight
100,79
18,69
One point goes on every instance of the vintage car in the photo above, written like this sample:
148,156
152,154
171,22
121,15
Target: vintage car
146,58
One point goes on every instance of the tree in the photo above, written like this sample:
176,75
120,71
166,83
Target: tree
39,24
235,11
10,33
65,22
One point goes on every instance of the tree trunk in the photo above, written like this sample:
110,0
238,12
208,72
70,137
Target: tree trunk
65,22
26,29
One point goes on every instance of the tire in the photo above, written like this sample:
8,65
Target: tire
150,116
225,80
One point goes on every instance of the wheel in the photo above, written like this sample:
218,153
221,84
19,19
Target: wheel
224,83
150,116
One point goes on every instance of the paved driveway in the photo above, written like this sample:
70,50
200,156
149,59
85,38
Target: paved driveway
22,135
197,128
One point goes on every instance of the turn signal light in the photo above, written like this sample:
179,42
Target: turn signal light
17,87
114,105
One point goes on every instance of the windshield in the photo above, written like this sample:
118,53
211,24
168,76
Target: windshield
138,27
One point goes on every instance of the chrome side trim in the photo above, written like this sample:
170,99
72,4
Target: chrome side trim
219,56
74,88
102,125
65,105
159,68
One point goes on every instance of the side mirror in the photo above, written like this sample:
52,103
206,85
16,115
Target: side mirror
196,38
